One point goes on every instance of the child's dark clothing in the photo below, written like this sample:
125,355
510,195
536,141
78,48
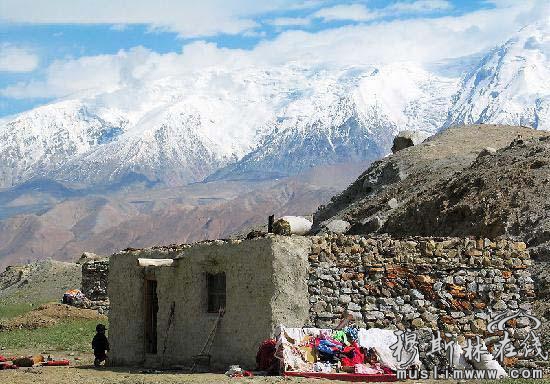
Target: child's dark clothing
100,345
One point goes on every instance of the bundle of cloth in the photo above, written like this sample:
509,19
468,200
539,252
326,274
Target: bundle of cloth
72,296
326,351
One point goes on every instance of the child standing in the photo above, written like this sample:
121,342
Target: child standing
100,345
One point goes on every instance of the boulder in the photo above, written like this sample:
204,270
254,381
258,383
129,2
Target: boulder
404,139
337,226
487,151
292,225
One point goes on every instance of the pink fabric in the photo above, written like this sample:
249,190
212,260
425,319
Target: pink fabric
368,370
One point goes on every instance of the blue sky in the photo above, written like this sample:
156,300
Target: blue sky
42,40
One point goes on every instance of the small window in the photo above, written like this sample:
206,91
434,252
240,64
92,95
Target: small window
216,291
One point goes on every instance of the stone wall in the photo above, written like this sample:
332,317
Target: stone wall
94,279
450,284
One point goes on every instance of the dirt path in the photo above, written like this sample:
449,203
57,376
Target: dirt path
89,375
82,371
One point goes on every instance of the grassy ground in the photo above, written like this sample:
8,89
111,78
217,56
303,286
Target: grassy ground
74,335
9,310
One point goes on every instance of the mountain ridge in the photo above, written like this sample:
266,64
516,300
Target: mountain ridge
187,135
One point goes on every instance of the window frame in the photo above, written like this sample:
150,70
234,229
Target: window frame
216,292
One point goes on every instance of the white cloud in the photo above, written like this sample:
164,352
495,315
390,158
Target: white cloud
422,40
17,59
188,18
419,6
359,12
103,73
289,21
416,39
352,12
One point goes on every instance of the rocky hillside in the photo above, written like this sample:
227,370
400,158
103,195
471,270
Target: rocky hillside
39,222
38,282
477,180
453,185
505,193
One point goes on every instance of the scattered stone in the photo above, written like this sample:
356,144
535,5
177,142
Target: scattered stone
94,279
417,323
500,305
487,151
392,203
413,283
345,299
478,326
416,294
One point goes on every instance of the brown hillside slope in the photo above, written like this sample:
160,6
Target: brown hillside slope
443,187
141,217
507,193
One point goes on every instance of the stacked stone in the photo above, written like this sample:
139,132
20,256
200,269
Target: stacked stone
449,284
94,279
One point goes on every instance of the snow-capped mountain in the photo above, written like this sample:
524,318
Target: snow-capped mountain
511,84
348,122
278,121
253,122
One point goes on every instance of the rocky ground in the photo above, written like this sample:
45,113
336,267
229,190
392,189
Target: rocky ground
485,180
85,374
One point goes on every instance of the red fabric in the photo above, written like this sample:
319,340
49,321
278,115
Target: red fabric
265,358
387,370
352,355
7,366
56,363
2,359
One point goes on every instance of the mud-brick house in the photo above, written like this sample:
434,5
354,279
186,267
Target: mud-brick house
165,300
163,311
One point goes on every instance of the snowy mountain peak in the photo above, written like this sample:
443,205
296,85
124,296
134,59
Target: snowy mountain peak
511,85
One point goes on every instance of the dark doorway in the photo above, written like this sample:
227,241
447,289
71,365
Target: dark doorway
151,309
